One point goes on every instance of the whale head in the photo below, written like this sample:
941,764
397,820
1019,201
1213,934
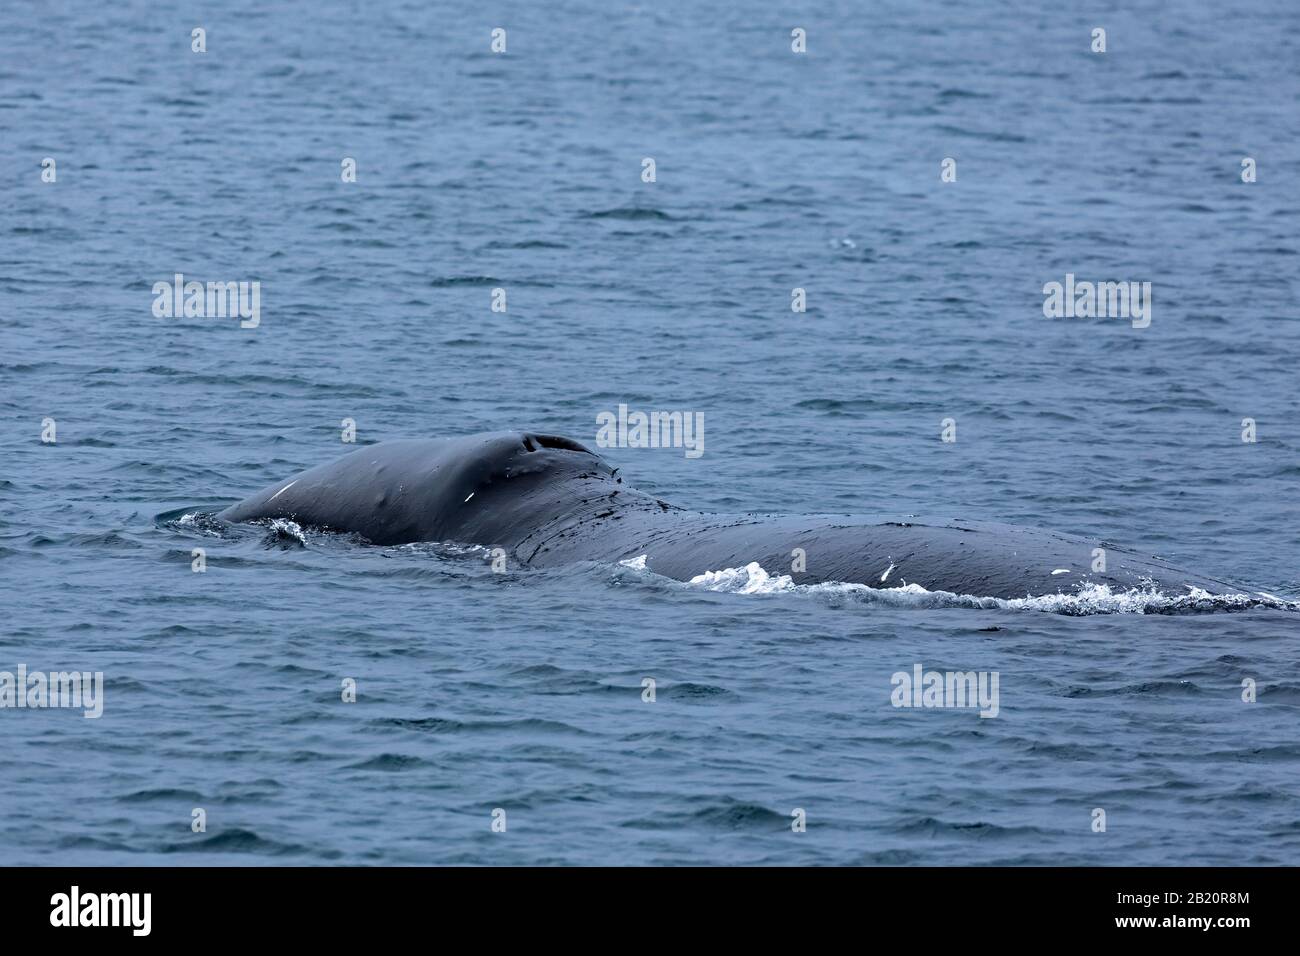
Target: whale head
493,486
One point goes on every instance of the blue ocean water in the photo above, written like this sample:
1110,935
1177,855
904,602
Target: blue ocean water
522,170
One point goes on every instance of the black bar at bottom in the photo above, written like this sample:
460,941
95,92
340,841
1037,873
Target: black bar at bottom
342,905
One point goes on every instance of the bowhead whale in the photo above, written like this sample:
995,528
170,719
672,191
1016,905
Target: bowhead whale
548,500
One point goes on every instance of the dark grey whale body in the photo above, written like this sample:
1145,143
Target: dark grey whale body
550,501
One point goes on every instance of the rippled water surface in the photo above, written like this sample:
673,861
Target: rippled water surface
524,691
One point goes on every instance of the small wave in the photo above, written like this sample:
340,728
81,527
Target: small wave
632,214
692,691
725,813
1090,599
451,282
389,762
192,520
235,840
535,244
164,794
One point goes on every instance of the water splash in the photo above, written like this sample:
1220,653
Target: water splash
1089,599
283,531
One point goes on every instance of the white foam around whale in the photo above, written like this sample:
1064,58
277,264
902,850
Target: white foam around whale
1091,599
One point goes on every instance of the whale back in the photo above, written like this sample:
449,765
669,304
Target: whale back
551,501
487,488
